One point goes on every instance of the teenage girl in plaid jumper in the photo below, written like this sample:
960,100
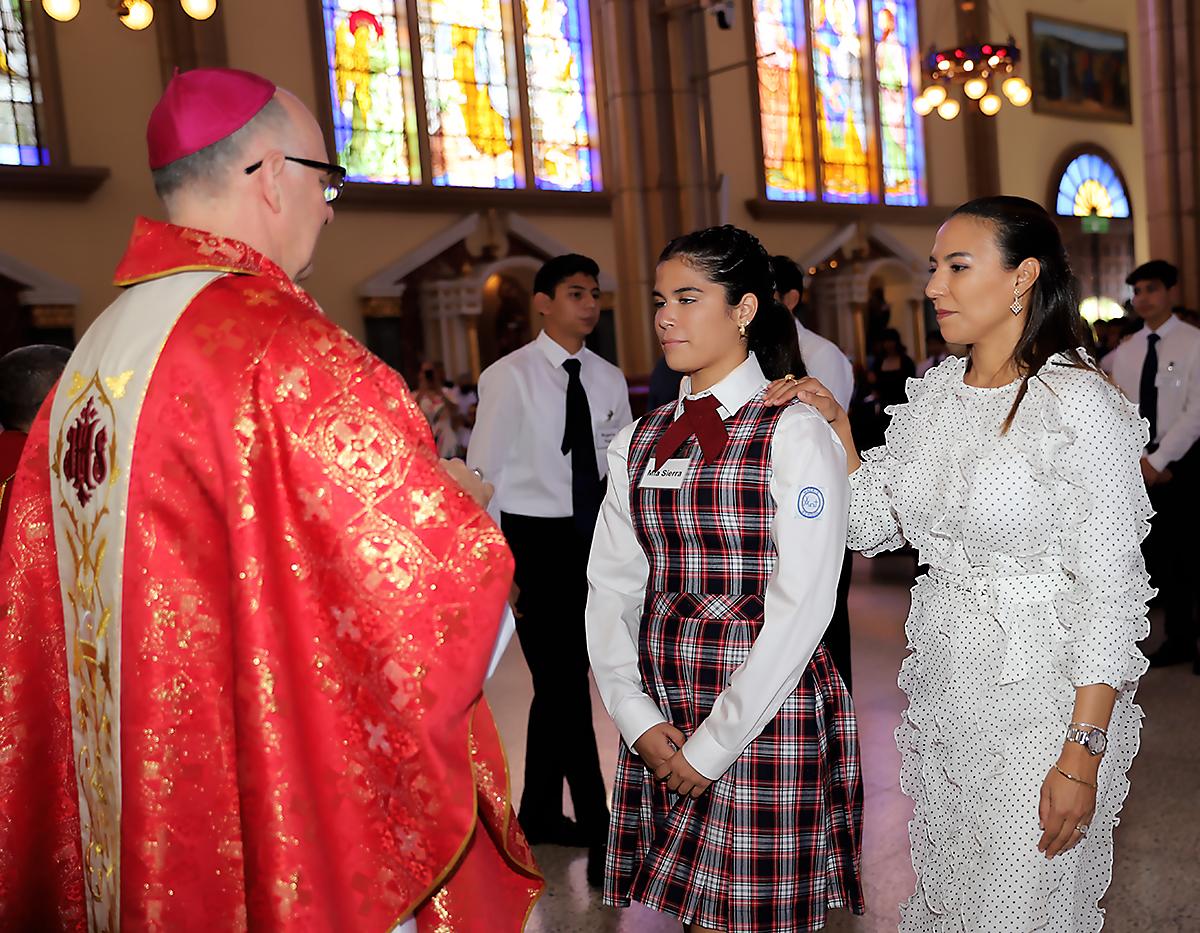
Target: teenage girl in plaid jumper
713,574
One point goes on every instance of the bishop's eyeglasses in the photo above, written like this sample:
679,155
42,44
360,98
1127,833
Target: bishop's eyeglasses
335,174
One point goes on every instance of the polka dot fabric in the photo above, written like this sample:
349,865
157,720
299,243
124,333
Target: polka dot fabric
1036,585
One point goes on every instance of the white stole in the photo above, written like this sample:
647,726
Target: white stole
93,424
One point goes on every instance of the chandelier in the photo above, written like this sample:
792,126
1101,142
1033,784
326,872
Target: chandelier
977,68
134,14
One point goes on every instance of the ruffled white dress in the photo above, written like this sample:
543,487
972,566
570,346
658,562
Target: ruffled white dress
1036,585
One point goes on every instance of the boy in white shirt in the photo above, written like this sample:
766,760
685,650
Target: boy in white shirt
547,413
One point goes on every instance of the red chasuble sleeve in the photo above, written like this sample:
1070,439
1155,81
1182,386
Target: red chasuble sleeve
41,872
309,607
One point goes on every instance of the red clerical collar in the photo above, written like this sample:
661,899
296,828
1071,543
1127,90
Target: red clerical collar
159,249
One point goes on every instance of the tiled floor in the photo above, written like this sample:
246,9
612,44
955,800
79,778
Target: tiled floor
1156,878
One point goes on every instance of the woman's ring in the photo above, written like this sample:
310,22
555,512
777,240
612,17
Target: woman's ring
789,378
1082,830
478,473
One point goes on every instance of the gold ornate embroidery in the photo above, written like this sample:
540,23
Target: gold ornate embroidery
260,296
93,644
293,383
427,507
116,384
223,336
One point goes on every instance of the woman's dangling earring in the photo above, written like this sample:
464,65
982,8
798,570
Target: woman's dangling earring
742,329
1015,307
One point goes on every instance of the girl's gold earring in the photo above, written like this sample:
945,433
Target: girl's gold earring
742,329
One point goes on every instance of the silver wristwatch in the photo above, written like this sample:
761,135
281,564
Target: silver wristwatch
1090,737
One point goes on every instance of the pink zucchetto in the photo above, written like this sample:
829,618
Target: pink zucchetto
202,107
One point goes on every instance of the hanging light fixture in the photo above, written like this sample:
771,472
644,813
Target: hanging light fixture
948,109
976,88
62,10
974,67
136,14
199,9
934,94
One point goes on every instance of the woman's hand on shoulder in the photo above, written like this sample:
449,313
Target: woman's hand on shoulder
808,390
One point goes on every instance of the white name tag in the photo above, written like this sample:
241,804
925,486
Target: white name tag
669,476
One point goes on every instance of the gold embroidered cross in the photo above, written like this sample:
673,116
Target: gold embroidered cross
427,506
215,339
293,382
358,448
256,297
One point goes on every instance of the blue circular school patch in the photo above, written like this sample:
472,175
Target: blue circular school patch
811,502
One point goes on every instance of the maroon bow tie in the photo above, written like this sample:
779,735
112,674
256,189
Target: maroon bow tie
699,418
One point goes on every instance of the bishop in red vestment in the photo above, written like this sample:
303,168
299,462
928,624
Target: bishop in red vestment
247,614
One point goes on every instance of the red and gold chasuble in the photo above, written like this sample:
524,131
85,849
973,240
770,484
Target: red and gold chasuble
246,619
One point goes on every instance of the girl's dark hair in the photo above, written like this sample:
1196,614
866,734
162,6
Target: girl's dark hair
1023,230
734,259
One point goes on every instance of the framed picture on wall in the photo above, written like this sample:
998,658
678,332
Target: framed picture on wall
1079,70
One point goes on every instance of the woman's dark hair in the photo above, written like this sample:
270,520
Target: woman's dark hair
1023,230
734,259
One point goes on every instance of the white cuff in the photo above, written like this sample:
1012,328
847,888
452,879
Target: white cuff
707,755
634,716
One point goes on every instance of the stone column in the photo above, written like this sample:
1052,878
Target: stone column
1169,113
654,61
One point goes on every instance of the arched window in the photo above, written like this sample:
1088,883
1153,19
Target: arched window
835,101
1091,185
20,140
464,93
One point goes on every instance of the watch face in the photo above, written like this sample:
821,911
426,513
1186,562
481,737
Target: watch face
1096,742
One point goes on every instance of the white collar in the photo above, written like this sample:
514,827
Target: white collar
554,351
1164,329
734,391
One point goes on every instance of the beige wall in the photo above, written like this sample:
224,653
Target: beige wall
111,79
1031,143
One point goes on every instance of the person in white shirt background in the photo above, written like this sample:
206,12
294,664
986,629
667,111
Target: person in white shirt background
738,797
546,416
823,360
1158,369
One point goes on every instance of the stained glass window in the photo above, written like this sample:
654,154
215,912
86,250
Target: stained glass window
814,69
429,92
837,52
781,48
468,105
903,150
1091,185
371,85
558,69
19,94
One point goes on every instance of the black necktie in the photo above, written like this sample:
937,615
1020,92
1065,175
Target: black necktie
1148,388
586,491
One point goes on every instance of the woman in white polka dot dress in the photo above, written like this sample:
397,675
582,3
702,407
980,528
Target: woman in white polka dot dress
1016,476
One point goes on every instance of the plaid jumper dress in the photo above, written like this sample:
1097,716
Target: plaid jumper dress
776,840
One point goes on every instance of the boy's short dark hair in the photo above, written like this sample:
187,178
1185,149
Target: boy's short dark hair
27,375
788,276
1158,269
557,270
